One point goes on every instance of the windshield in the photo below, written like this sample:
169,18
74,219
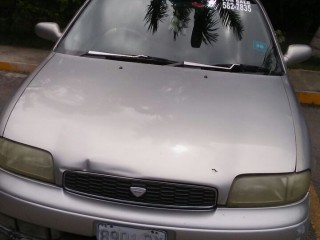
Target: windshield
210,32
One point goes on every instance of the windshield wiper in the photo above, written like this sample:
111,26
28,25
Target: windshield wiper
221,67
238,68
133,58
255,69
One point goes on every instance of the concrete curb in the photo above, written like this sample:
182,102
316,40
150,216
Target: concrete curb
304,97
312,98
17,67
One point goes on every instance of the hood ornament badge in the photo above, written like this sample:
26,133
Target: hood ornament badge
138,191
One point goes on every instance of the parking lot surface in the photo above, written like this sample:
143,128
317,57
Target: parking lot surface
10,81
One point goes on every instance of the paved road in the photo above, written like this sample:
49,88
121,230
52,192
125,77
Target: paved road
312,115
9,82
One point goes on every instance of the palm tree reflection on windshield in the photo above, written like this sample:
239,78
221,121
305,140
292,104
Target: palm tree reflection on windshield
157,11
231,19
180,20
203,29
205,19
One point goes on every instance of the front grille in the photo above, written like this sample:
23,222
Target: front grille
158,194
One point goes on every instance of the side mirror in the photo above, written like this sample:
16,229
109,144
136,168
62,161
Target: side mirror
48,30
297,53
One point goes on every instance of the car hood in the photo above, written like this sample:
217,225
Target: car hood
155,122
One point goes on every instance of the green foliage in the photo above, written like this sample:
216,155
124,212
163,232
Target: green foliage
294,15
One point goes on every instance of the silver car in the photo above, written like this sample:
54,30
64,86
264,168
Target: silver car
157,120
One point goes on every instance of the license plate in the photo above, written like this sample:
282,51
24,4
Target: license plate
113,232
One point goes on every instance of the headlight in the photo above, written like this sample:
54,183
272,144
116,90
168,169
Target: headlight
268,190
27,161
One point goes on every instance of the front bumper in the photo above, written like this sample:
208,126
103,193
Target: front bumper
51,207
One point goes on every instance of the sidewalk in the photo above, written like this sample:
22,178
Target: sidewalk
18,59
307,85
25,60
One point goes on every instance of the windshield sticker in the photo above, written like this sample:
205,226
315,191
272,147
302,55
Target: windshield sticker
210,4
260,46
238,5
197,5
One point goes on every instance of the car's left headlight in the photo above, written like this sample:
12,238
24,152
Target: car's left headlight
268,190
26,161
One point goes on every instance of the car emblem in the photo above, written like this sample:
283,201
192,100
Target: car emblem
138,191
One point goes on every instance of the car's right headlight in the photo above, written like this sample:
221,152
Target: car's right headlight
268,190
26,161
